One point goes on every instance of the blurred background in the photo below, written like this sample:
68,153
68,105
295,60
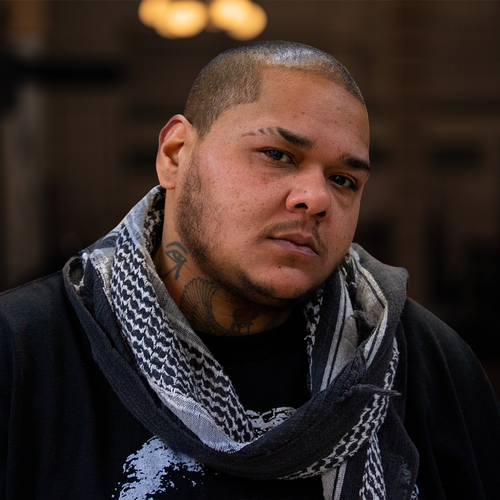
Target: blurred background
85,88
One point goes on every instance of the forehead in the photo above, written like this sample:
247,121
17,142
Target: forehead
283,89
309,105
273,80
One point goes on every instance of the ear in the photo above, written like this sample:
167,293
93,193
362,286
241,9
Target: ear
175,137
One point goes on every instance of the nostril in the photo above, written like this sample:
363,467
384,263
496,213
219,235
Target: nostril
301,205
321,214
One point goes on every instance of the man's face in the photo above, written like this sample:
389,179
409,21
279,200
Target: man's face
269,204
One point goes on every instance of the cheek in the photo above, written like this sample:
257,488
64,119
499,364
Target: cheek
343,227
342,236
250,197
351,224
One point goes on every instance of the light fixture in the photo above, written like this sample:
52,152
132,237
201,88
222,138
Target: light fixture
152,10
252,27
240,19
182,19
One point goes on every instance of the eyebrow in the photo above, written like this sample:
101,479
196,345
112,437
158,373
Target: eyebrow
288,135
296,140
356,163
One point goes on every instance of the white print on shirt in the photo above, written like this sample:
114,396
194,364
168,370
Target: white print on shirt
414,495
149,469
157,469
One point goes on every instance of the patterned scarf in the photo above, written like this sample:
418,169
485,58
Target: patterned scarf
353,358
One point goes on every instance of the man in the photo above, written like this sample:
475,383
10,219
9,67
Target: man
226,340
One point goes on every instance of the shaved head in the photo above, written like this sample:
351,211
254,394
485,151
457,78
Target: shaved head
234,77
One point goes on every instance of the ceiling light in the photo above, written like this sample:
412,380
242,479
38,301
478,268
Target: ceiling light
230,14
254,25
241,19
182,19
150,11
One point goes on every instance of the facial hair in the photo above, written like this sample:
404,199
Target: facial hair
198,221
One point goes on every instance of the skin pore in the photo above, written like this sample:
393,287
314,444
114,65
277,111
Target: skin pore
261,210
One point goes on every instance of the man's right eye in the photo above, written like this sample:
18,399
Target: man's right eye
277,155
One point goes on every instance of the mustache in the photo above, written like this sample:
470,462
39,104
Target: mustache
280,228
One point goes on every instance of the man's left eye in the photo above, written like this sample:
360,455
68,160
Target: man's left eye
277,155
341,180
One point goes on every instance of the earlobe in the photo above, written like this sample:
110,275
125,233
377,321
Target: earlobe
172,143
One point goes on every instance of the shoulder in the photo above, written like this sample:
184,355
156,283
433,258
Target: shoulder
41,291
434,347
438,359
417,318
452,413
35,316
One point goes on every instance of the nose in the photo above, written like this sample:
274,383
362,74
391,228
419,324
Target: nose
310,194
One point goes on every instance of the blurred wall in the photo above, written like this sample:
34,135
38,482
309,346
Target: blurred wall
85,90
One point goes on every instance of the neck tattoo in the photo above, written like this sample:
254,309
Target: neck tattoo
196,305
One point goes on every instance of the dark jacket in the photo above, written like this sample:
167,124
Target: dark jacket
65,434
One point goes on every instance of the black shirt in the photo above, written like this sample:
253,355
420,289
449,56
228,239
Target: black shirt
268,369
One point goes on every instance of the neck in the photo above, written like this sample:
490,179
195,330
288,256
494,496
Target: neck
205,305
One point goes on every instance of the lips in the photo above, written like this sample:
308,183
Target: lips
298,242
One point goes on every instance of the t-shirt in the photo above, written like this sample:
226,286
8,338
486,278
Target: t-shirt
268,369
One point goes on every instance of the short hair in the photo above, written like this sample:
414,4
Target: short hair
234,77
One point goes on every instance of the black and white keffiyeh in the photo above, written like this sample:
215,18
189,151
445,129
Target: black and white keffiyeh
353,357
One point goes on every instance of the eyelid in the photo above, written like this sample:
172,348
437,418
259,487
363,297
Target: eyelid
353,184
279,150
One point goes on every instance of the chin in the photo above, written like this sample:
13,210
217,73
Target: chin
285,296
282,302
294,285
265,293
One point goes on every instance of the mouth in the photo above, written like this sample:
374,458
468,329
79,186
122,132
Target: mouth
297,242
